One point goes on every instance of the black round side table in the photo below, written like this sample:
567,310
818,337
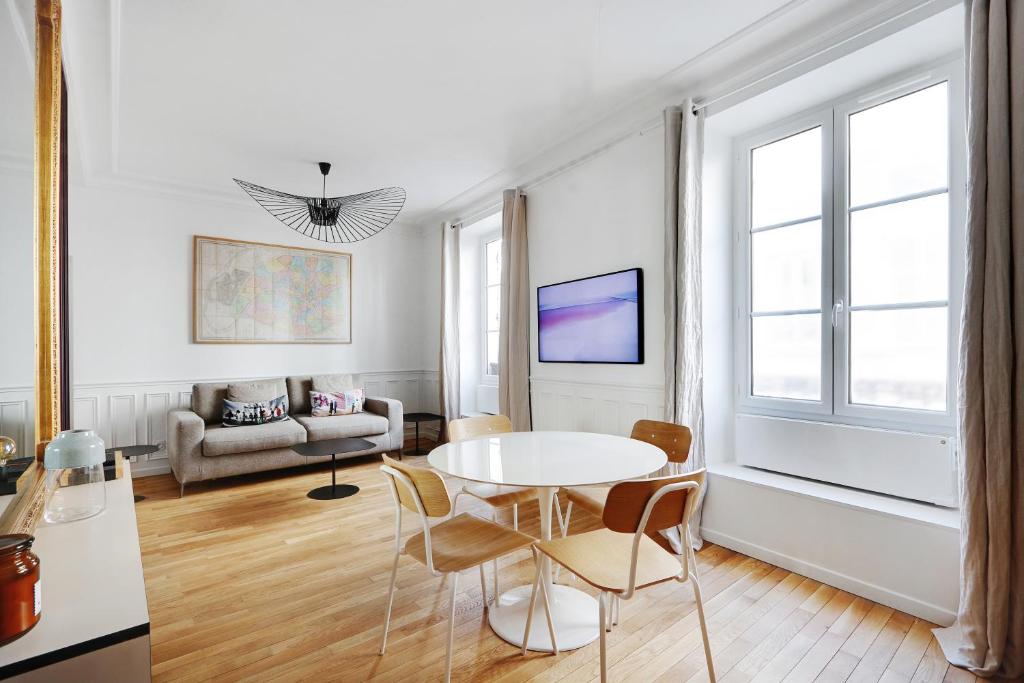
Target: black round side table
417,418
126,452
331,447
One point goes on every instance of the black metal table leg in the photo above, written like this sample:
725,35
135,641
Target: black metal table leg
333,492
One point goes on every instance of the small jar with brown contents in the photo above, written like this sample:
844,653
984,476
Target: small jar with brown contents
19,587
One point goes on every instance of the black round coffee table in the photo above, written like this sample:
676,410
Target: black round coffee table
332,447
417,418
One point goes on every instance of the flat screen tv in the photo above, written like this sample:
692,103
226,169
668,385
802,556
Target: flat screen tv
596,319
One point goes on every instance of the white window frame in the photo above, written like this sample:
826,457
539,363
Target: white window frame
485,376
833,117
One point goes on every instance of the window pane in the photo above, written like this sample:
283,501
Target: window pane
492,353
899,253
493,258
899,147
493,307
898,358
786,359
785,179
786,268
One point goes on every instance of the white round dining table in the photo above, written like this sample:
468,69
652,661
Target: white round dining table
547,461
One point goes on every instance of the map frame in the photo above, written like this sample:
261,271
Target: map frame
199,304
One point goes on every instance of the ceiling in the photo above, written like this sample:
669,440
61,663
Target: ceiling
437,97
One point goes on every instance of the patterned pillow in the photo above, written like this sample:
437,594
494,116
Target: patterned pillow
336,403
238,413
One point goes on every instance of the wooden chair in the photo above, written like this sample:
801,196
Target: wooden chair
447,548
621,558
674,439
495,495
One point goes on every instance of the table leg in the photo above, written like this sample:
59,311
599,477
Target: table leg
334,491
574,613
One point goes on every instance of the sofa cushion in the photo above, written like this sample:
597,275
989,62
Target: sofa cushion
258,391
298,395
330,384
338,426
208,400
229,440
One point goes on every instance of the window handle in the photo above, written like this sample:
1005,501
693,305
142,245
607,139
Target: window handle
837,310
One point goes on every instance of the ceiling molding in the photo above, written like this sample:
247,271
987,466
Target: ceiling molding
736,59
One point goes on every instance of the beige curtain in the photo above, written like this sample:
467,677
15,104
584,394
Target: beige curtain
448,364
988,636
684,354
514,328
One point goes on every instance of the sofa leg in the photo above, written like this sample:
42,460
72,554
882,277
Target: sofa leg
181,490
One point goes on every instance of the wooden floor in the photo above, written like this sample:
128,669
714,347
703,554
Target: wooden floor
248,579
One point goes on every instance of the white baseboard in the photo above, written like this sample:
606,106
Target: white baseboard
850,584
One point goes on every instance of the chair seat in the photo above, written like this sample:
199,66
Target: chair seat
466,541
590,498
499,496
601,558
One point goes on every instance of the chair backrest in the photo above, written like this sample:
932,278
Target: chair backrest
674,439
628,501
428,485
472,427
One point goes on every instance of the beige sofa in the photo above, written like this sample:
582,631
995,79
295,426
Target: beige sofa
200,448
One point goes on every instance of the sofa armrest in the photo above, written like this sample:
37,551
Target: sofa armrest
185,433
393,411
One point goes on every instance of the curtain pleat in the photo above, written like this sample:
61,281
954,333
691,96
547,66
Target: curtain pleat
448,363
988,636
514,327
684,354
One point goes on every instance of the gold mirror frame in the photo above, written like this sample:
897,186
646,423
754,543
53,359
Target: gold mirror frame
23,511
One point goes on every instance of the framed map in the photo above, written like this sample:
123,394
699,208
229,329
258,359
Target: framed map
255,293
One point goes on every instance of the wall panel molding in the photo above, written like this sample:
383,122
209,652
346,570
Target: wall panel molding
588,406
129,413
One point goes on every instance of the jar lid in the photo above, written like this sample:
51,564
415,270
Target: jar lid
11,543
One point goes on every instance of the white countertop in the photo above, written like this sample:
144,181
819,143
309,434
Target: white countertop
92,586
548,458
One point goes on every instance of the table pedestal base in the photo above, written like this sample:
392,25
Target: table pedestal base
333,492
574,613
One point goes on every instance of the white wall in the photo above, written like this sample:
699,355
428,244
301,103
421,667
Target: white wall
17,325
133,359
131,294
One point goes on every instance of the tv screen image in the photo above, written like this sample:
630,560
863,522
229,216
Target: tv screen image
596,319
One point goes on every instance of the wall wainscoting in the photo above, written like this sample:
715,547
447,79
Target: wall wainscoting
136,412
17,417
593,406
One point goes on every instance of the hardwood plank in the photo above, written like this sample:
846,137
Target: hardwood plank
249,580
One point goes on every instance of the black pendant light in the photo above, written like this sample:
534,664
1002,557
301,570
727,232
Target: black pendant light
331,219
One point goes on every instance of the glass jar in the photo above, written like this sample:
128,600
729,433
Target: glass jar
75,485
20,605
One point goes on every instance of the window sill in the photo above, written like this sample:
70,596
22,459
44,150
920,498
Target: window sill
923,513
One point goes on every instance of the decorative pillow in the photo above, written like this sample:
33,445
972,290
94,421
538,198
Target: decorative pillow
337,403
258,392
238,413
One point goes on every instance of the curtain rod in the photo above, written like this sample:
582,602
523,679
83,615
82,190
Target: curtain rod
705,103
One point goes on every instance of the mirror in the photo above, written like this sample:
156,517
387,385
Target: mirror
17,298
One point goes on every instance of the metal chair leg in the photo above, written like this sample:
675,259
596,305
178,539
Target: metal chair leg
703,627
483,585
515,516
564,528
602,608
391,598
533,602
451,629
550,620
